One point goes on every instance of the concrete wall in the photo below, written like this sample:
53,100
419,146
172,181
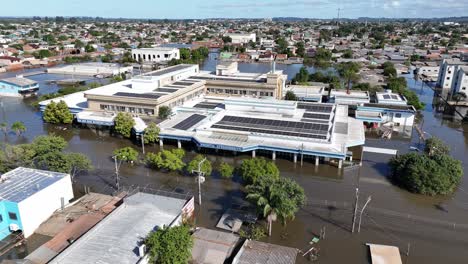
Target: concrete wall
155,55
39,207
7,207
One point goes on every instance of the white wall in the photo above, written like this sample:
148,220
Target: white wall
40,206
155,55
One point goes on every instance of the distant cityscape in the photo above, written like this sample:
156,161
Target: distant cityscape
280,140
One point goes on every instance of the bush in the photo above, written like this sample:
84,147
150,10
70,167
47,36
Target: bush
226,170
254,170
166,160
170,245
123,124
433,172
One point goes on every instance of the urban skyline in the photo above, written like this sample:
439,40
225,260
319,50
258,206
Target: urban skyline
242,9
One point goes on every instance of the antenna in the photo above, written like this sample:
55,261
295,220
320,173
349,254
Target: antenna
338,20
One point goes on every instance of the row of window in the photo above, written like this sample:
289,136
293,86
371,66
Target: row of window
119,108
11,215
188,97
154,56
238,92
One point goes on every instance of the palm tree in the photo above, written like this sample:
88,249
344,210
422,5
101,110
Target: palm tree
18,127
276,199
349,72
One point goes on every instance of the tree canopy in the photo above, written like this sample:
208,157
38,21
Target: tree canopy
226,170
57,113
256,169
170,245
123,124
18,127
127,154
205,167
151,133
164,112
170,160
431,173
290,96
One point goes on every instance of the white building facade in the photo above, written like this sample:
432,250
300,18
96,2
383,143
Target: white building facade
157,54
238,38
449,69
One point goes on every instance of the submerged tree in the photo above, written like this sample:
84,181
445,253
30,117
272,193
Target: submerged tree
151,134
123,124
18,127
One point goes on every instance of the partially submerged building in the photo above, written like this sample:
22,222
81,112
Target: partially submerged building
264,253
292,128
18,87
28,197
97,69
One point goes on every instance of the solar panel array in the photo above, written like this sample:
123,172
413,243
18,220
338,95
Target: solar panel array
206,105
315,107
136,95
165,90
316,116
276,127
189,122
169,70
183,83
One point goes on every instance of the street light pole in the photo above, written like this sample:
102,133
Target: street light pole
199,178
355,209
143,143
362,211
117,168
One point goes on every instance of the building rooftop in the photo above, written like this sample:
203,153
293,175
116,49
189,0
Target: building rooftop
390,98
115,239
264,253
21,183
19,81
212,246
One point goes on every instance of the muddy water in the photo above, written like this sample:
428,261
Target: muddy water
433,228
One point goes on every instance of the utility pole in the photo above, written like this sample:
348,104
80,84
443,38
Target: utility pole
143,142
362,211
355,209
117,169
200,178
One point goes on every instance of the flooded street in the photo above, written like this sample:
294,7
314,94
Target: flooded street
432,229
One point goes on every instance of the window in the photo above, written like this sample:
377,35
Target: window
12,216
398,115
448,78
1,218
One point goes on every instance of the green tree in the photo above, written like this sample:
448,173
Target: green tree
300,49
166,160
205,167
185,54
227,39
57,113
54,161
127,154
277,198
164,112
348,54
151,133
256,169
226,170
123,124
51,143
349,72
302,76
78,163
290,96
18,127
424,174
170,245
435,146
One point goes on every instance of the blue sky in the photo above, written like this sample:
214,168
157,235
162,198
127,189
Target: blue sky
235,8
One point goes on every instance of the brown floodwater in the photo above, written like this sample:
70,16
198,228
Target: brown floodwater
434,229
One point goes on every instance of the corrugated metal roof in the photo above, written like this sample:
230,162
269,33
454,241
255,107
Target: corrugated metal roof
21,183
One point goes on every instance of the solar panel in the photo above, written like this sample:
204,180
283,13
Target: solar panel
166,90
316,116
136,95
279,127
168,70
189,122
386,96
315,107
206,106
183,83
255,130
